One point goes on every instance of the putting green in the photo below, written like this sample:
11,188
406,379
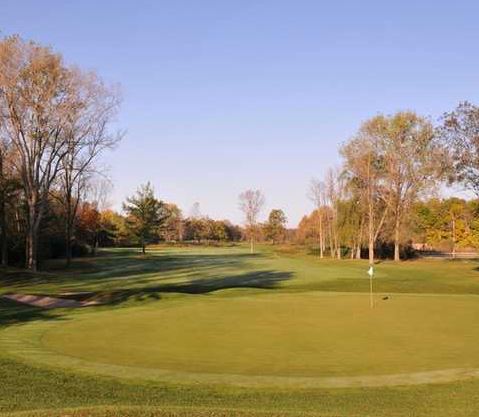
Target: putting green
335,339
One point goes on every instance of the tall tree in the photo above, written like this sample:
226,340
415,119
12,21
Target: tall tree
460,132
144,215
35,100
364,168
55,118
3,205
87,136
334,189
412,161
251,202
275,227
317,196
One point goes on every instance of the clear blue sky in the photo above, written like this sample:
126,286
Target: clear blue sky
220,96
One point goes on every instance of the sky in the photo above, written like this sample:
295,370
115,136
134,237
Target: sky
222,96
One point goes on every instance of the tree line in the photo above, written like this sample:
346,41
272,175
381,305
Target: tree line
57,121
390,170
148,219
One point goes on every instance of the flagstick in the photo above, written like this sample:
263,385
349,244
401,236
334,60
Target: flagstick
371,294
371,299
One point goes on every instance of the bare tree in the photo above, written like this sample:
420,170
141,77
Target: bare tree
97,191
460,132
317,196
87,136
195,212
3,209
364,168
412,162
36,97
251,202
56,119
334,193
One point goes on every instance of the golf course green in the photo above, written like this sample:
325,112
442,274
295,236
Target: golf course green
217,330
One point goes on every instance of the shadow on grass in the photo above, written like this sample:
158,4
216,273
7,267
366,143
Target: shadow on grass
256,279
114,266
116,277
12,312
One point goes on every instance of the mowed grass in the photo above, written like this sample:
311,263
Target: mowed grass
124,274
188,331
307,334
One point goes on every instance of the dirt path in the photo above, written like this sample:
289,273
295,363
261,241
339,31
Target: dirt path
48,302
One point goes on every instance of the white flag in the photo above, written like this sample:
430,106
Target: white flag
371,271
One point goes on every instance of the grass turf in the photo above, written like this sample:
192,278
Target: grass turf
132,283
287,335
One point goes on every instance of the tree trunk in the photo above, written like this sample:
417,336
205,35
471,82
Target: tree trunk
397,225
143,247
371,233
331,248
360,238
4,247
68,243
321,238
3,217
453,236
251,243
371,251
33,226
32,248
68,225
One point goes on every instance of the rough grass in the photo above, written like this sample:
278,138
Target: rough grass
26,389
128,282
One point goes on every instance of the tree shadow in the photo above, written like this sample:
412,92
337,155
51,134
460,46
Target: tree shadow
258,279
12,313
114,267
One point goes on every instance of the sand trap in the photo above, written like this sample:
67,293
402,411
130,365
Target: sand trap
48,302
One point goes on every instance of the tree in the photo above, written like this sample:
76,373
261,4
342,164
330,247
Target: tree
251,202
364,169
144,215
54,118
87,137
35,99
89,224
96,191
317,196
195,212
412,162
217,230
334,189
275,227
172,227
9,186
114,231
460,132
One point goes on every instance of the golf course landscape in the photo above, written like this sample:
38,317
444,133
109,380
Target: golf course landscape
217,331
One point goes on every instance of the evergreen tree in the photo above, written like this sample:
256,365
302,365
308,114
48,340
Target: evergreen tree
144,215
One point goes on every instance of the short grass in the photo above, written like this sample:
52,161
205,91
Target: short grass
123,274
285,335
221,311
